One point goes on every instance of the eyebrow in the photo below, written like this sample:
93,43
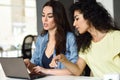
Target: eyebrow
47,13
75,16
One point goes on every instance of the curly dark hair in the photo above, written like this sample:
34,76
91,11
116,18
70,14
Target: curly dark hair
95,14
62,24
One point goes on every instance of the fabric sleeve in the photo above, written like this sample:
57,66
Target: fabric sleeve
81,55
35,57
72,53
116,43
116,46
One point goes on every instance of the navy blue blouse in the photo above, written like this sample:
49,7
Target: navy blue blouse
46,61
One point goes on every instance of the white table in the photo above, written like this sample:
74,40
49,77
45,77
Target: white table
3,77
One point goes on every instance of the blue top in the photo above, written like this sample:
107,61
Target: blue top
41,43
46,61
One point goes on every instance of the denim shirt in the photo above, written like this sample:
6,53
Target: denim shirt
40,46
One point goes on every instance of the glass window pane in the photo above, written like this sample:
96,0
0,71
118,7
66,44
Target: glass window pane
18,21
5,28
6,2
30,3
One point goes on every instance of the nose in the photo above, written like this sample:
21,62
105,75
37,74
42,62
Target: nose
44,18
74,23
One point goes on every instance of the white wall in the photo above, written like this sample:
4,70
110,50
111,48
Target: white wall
108,4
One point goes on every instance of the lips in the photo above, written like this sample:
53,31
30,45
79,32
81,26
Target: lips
76,28
45,24
76,31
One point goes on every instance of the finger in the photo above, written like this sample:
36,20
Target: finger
36,70
53,64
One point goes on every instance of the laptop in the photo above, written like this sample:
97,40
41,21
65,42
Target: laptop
15,68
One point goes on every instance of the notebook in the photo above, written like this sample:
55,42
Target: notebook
15,68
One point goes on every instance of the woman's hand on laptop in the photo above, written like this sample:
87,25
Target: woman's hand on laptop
27,62
38,70
29,65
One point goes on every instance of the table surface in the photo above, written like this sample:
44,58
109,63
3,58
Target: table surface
3,77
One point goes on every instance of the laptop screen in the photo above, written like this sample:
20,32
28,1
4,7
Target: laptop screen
14,67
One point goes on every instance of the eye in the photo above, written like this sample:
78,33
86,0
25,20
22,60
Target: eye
50,16
76,19
43,15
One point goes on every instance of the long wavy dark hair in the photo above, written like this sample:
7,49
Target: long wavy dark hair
95,14
62,23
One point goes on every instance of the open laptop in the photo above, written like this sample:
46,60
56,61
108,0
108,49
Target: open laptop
15,68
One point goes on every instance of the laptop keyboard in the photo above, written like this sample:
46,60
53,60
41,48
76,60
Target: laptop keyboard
36,76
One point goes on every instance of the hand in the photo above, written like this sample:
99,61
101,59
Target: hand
27,62
38,70
60,58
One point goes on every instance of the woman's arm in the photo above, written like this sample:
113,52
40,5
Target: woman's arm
29,65
56,72
75,69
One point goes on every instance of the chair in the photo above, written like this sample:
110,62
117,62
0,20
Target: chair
35,38
87,71
27,46
1,51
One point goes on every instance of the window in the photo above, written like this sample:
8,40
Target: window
17,19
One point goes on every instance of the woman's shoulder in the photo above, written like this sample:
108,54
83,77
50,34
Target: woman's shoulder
70,34
70,37
115,33
42,37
